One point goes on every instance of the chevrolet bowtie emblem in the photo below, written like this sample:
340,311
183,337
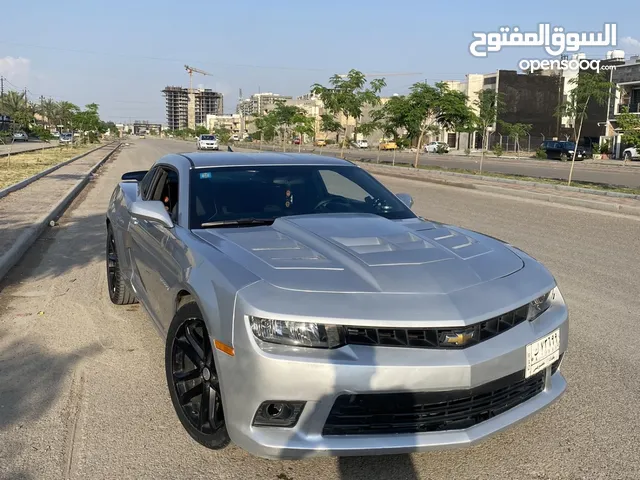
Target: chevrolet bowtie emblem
459,339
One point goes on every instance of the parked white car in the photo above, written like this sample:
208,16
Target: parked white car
66,138
20,137
362,144
631,153
207,142
433,147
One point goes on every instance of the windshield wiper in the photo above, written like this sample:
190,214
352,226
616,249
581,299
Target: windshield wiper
239,222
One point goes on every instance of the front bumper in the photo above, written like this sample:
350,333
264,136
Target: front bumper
261,372
208,147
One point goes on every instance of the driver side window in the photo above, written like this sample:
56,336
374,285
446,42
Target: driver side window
165,189
337,184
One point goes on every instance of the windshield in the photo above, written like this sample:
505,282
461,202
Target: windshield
568,144
268,192
207,137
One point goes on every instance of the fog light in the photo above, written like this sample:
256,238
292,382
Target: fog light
277,413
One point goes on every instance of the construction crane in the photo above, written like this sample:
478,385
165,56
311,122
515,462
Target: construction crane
191,70
395,74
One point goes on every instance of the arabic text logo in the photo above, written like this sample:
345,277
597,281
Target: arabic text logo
554,39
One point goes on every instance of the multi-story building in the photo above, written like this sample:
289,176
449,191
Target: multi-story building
188,108
234,122
259,102
626,97
177,101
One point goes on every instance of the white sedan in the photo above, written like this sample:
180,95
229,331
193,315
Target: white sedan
207,142
433,147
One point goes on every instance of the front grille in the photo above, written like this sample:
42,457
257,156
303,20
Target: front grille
381,413
453,338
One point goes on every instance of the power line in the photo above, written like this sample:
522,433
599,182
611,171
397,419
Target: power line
161,59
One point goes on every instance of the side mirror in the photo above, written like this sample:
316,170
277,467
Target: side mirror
406,199
137,176
151,210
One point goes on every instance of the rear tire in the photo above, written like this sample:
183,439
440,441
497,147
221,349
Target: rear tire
627,157
193,380
120,293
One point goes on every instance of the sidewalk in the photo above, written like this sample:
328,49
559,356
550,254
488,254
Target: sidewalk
19,147
21,212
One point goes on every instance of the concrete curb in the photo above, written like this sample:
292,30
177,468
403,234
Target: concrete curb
549,186
31,234
27,181
28,151
545,197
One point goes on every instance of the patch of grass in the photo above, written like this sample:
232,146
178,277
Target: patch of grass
23,165
552,181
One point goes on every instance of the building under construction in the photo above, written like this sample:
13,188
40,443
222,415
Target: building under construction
188,108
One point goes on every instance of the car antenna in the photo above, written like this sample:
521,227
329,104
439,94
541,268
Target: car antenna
229,149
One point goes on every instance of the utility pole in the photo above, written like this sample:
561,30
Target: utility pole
41,110
1,87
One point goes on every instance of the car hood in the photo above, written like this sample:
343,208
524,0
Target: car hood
365,253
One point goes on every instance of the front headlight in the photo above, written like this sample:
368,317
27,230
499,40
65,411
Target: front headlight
303,334
540,305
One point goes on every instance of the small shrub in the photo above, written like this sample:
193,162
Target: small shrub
441,149
498,150
540,153
467,152
563,157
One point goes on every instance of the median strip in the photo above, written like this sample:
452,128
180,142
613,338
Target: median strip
25,214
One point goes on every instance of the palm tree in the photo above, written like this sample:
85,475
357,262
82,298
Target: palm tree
13,103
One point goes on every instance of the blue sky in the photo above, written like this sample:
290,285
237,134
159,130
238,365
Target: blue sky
122,54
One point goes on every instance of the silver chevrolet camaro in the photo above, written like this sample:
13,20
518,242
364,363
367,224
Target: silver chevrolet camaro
308,311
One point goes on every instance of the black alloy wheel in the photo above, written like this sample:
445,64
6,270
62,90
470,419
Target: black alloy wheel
192,378
120,292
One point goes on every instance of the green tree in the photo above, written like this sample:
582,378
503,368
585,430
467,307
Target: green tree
328,123
87,121
629,125
488,105
303,125
201,130
428,109
348,95
588,87
223,134
516,131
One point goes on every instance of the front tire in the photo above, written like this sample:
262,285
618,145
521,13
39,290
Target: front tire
192,378
120,292
627,157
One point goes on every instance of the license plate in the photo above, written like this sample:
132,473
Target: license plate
542,353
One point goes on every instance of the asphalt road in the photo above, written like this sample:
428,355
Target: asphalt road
614,174
82,383
17,147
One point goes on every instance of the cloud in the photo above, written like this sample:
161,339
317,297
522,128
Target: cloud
16,70
632,43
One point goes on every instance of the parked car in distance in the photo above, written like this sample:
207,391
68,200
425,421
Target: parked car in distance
432,147
631,153
388,145
56,134
66,138
207,142
320,142
296,141
306,310
20,137
556,149
362,144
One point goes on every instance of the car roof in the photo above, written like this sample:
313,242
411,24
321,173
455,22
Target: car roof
228,159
